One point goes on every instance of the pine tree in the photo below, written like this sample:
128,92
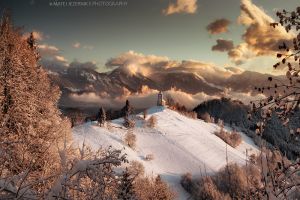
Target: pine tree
162,191
101,116
31,128
127,109
126,187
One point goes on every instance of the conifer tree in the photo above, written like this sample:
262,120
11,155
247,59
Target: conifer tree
101,117
31,128
127,109
126,187
162,191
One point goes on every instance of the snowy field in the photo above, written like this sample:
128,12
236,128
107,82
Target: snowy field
179,145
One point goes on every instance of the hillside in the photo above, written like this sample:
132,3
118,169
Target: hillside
235,112
179,145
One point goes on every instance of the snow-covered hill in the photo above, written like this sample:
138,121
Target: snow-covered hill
179,145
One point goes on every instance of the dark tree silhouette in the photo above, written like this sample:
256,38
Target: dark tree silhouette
101,117
283,99
127,109
126,187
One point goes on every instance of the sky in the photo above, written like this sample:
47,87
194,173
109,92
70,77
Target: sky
177,29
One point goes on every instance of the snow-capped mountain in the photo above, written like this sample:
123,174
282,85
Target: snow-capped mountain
120,82
179,145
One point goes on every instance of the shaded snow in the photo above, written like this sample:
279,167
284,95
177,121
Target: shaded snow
179,145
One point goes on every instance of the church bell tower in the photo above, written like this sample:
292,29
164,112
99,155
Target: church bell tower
160,99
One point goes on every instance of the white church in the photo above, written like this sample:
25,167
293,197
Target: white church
160,99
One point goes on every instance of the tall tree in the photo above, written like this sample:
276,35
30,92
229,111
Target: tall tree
283,97
101,116
127,109
283,100
126,187
31,127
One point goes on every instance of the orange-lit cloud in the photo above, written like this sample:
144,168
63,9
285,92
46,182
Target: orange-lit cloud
259,38
218,26
61,59
78,45
47,50
181,6
148,97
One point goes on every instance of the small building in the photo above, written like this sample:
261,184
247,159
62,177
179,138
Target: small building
160,99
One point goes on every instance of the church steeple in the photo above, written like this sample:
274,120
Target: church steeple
160,99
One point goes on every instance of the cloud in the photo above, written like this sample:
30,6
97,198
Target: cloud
218,26
260,38
52,58
245,97
39,36
223,45
143,99
54,65
147,98
80,65
139,77
88,47
76,45
61,59
181,6
149,65
240,53
137,63
47,50
235,70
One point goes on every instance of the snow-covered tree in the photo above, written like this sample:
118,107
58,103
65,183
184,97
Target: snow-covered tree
31,126
130,139
152,122
36,160
126,187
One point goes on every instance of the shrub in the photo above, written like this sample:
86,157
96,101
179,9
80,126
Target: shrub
149,157
136,168
190,114
130,139
186,182
231,182
152,122
128,123
234,139
152,188
206,117
220,123
206,189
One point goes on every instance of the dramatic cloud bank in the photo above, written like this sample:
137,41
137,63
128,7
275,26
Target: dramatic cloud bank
259,38
145,98
218,26
181,6
136,63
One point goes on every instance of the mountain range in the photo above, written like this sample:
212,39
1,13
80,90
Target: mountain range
86,87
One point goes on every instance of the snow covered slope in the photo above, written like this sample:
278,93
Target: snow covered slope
179,145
